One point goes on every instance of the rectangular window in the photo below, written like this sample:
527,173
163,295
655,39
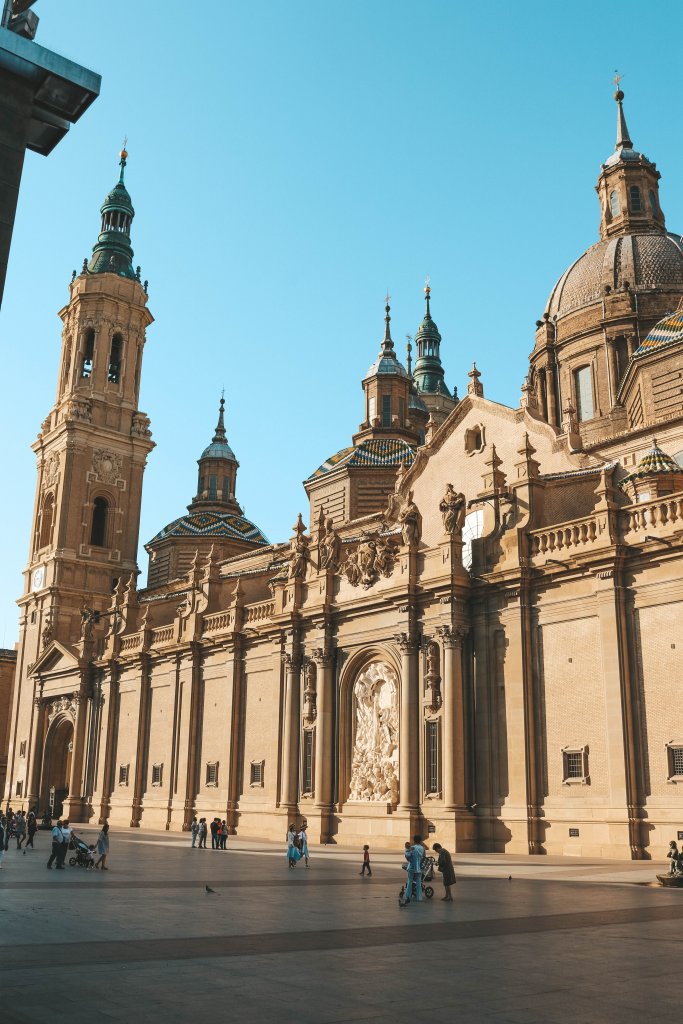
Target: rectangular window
372,409
308,762
157,774
212,487
225,490
402,411
432,757
212,773
114,368
583,380
123,774
256,773
88,353
575,765
674,753
386,410
22,748
20,789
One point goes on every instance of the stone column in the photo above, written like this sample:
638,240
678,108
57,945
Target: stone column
234,760
409,739
109,723
141,755
454,726
551,395
292,729
36,752
613,371
324,734
75,799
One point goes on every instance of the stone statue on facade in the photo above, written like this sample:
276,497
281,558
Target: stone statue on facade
409,519
375,556
299,553
374,761
453,508
310,686
329,548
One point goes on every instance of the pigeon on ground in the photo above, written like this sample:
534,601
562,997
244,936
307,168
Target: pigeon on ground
509,878
210,890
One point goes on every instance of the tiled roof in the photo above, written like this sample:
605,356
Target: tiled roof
653,462
376,452
212,524
668,331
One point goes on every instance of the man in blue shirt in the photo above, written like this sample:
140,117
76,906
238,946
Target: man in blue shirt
414,855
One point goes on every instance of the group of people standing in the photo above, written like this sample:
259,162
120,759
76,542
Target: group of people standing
61,837
19,826
200,830
414,855
297,845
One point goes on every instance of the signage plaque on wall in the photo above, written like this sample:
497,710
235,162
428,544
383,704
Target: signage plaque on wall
573,833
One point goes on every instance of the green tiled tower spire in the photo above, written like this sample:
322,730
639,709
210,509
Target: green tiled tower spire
112,253
428,374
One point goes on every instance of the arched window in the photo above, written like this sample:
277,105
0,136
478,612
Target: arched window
614,204
88,353
583,385
47,516
114,369
635,199
100,514
213,486
653,202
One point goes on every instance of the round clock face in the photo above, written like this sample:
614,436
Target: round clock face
472,530
38,577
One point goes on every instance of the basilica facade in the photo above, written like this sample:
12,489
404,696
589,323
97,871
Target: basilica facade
475,631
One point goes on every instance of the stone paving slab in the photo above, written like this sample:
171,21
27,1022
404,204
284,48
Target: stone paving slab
566,940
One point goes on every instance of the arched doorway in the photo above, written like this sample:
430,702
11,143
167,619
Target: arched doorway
57,765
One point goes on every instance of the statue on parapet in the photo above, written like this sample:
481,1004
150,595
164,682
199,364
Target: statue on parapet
453,508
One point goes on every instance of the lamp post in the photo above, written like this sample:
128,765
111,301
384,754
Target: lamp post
41,95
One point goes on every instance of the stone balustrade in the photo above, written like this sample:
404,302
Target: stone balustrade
163,635
132,643
220,622
258,612
570,538
654,515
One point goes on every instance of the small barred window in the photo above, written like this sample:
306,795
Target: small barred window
575,765
212,773
22,748
256,773
674,753
123,774
157,774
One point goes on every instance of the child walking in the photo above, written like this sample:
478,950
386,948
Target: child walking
366,861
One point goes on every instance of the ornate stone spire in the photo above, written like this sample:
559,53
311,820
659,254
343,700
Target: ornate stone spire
429,376
217,472
623,137
387,343
220,437
112,253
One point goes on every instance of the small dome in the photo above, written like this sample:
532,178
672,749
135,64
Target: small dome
219,450
387,365
668,331
645,262
118,199
653,462
374,453
212,524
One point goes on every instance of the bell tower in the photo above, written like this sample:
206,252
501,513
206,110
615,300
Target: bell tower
92,447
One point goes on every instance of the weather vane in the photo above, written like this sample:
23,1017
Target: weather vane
387,297
617,79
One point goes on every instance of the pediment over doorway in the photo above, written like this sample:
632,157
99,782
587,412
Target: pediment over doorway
56,659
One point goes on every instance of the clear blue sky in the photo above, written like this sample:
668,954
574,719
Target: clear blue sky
289,161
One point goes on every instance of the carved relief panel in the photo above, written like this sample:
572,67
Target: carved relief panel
375,722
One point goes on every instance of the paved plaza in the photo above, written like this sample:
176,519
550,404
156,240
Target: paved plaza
562,940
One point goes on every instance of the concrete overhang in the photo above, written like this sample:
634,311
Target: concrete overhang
62,90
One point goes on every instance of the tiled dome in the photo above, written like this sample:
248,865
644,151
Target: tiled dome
212,524
645,261
668,331
371,454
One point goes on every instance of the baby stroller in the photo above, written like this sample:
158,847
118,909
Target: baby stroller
427,876
83,855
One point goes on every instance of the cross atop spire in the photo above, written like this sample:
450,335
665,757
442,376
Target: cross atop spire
623,137
387,343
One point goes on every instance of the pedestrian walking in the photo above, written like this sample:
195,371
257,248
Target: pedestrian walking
293,852
20,829
103,848
66,839
303,843
194,829
414,855
31,829
56,845
445,866
202,833
224,835
366,861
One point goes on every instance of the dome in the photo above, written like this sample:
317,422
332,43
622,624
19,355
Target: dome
374,453
653,463
219,450
668,331
212,524
643,261
386,365
119,199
